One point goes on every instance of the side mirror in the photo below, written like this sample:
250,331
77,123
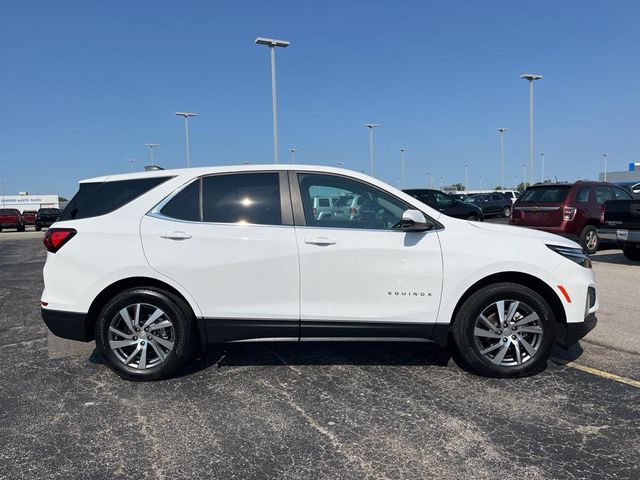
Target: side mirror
415,221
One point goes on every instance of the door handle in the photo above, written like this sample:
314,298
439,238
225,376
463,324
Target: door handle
319,241
175,235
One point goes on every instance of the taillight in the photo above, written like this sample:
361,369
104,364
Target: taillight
569,213
602,214
55,238
352,211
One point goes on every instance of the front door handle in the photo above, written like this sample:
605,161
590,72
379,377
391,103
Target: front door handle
319,241
175,235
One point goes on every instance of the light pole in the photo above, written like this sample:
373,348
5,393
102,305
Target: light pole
151,147
466,176
340,164
429,179
402,152
2,185
442,184
186,116
272,44
293,151
131,162
531,78
542,165
480,178
515,183
605,166
371,126
524,175
501,131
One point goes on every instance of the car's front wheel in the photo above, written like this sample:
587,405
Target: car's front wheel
504,330
145,334
506,212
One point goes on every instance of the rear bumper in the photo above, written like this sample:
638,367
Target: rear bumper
70,325
569,333
621,235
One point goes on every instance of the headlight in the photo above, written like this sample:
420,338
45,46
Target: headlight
577,255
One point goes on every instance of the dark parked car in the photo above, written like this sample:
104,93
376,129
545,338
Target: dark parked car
11,218
46,217
29,217
446,203
621,220
568,209
491,204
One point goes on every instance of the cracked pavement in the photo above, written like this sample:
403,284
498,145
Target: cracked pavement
313,410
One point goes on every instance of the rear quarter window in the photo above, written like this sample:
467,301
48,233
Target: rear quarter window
100,198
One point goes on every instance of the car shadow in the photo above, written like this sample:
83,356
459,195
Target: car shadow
615,257
567,354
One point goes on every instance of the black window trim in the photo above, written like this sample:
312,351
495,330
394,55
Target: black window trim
298,209
285,201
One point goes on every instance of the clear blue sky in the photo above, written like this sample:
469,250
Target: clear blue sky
84,84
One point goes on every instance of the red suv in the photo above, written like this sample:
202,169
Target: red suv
568,209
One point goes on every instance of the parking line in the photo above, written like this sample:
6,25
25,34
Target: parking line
599,373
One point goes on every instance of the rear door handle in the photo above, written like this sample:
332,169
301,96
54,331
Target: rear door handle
175,235
319,241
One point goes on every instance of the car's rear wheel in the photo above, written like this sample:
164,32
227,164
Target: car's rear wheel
504,330
472,218
506,212
145,334
589,239
632,252
20,228
38,228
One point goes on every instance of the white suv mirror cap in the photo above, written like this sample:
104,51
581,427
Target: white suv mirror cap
415,221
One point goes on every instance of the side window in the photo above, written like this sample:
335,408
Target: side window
603,194
583,195
242,198
443,200
496,198
620,194
185,205
374,209
324,202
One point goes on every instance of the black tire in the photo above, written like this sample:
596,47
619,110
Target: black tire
589,239
468,344
38,228
20,228
506,212
184,333
472,218
632,252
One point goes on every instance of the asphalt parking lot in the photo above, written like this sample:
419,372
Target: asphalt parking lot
327,410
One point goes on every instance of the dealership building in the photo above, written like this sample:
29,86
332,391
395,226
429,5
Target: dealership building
29,202
630,177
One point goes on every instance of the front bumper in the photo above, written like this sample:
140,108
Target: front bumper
568,334
70,325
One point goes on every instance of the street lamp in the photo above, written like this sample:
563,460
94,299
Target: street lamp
442,184
429,179
371,126
272,44
151,147
480,177
293,151
531,78
186,116
524,175
2,185
466,176
542,165
402,152
605,166
131,162
501,131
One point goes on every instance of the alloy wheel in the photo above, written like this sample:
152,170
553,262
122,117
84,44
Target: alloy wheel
141,336
508,333
591,240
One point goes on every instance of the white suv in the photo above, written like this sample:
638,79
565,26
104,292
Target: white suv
151,264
